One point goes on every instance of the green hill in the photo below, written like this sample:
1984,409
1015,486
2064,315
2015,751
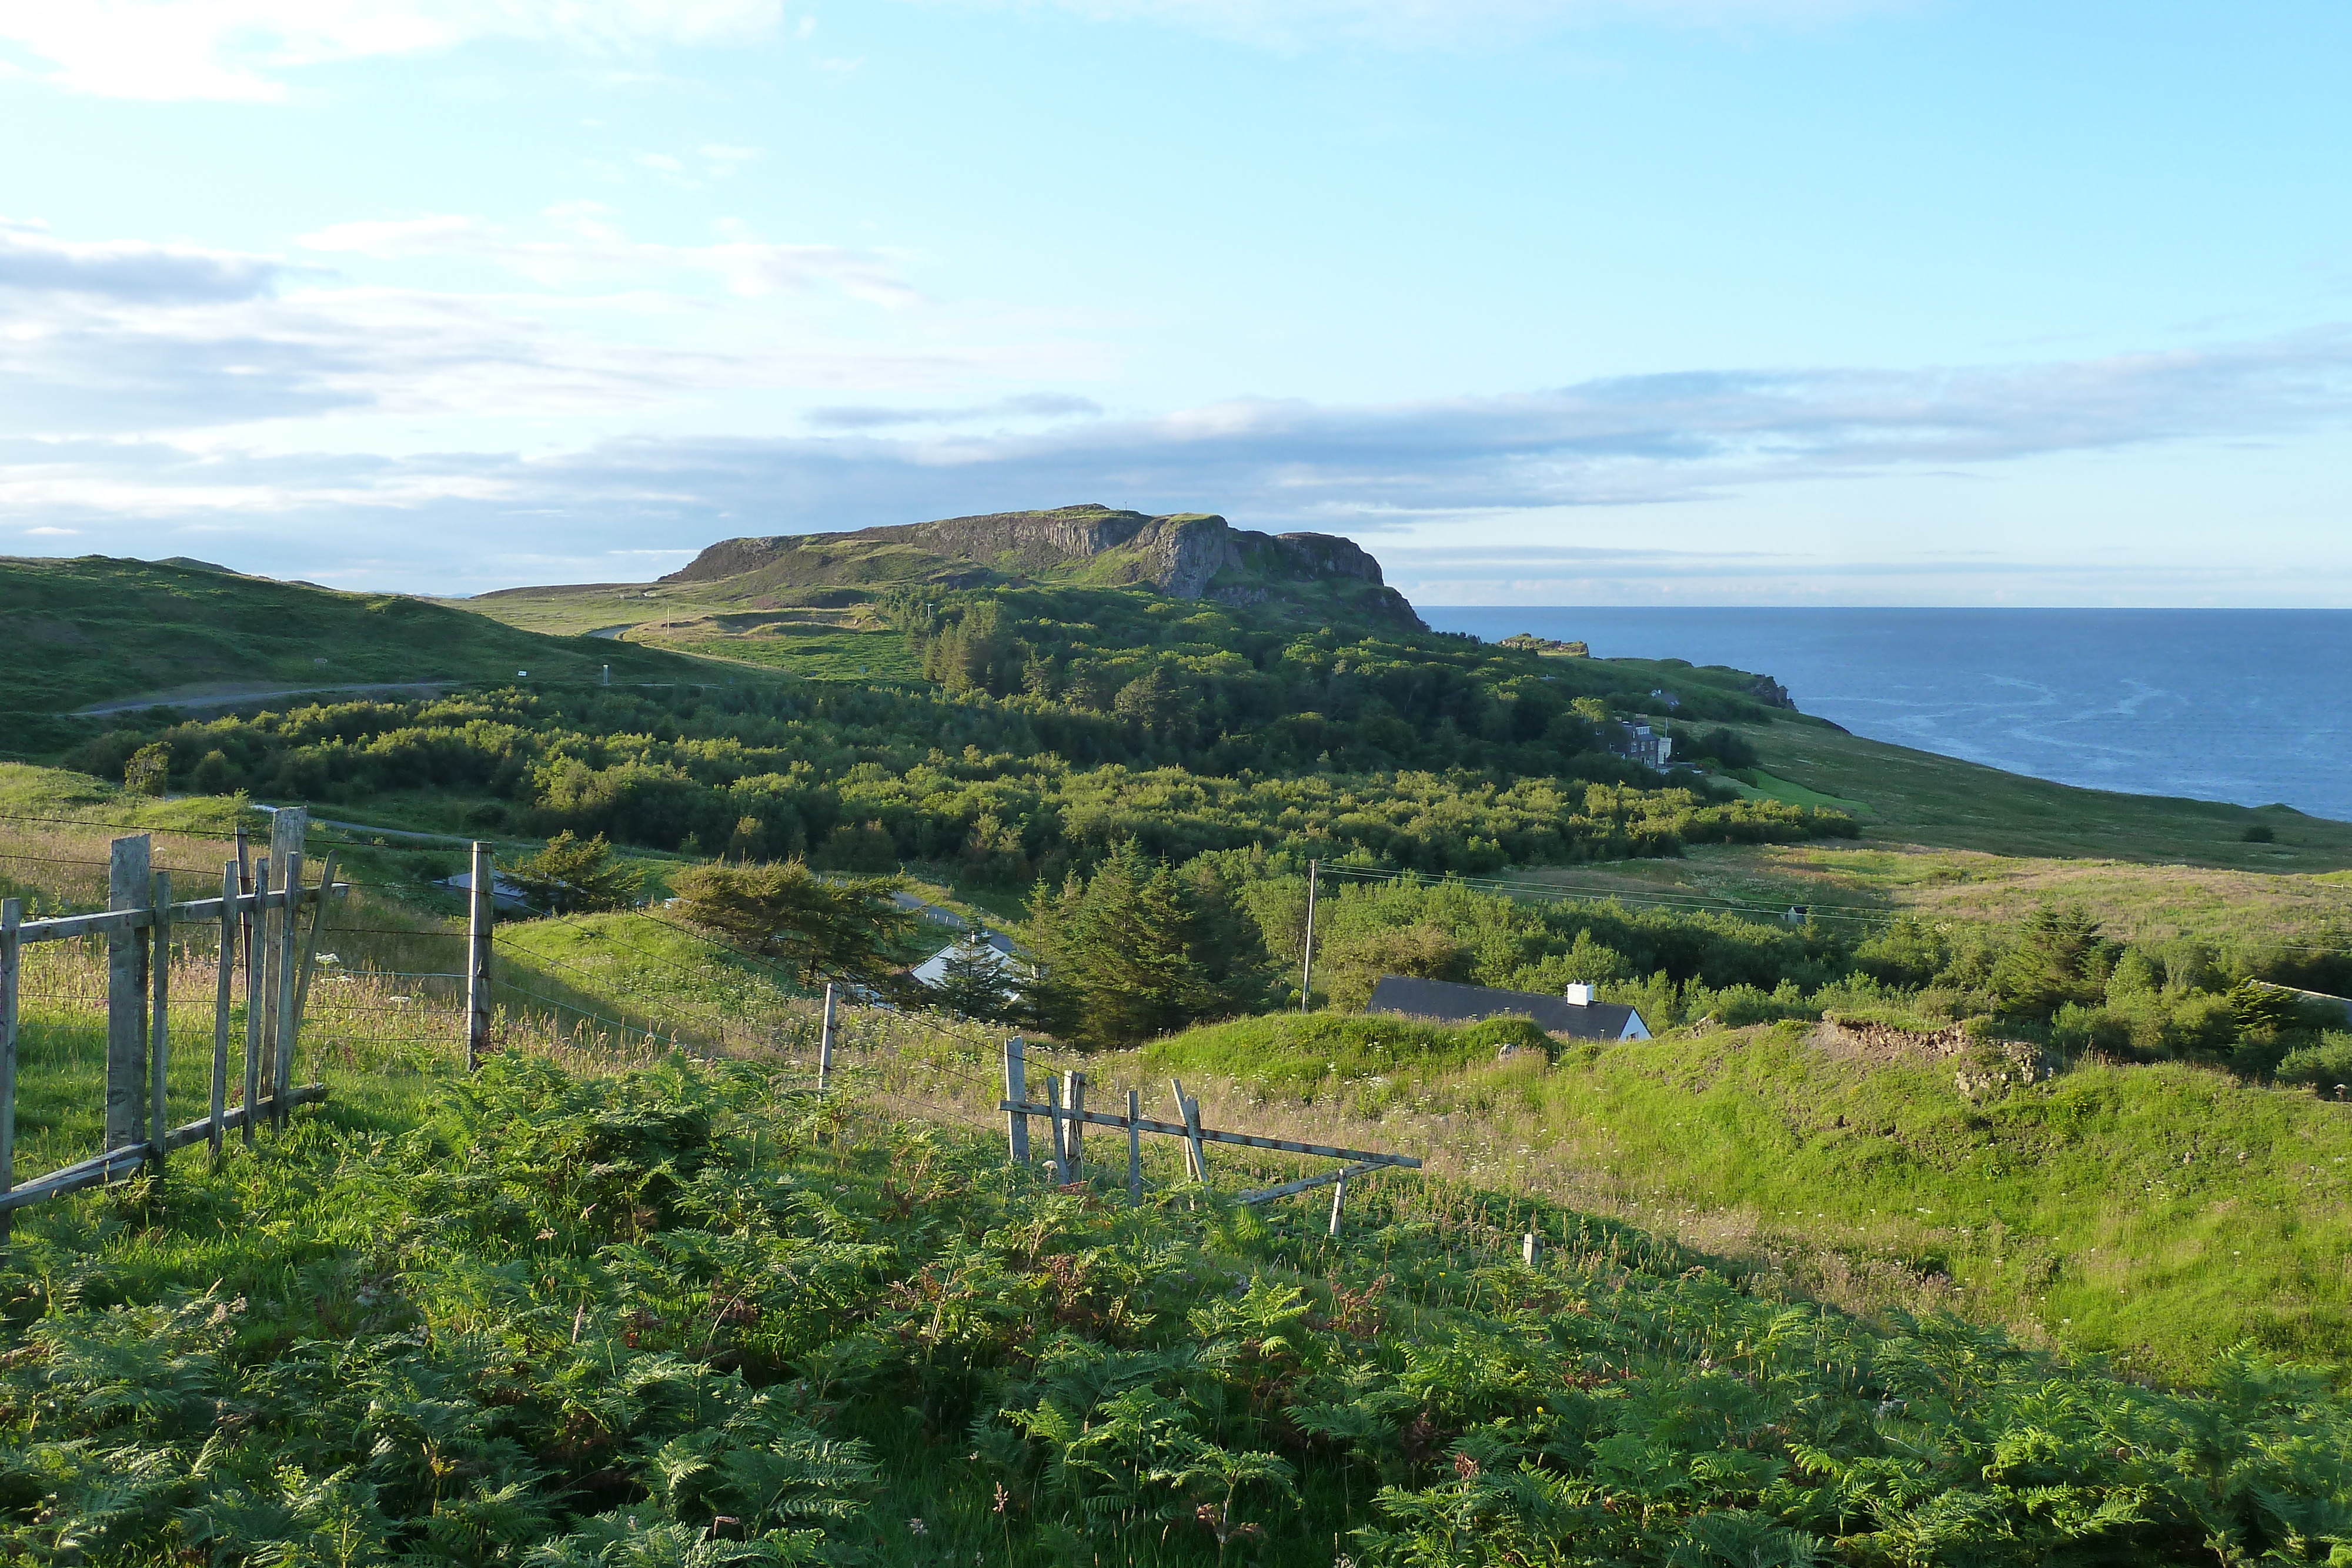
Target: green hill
2153,1214
787,587
695,1315
95,629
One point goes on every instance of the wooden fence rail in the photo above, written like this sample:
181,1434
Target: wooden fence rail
1064,1107
259,919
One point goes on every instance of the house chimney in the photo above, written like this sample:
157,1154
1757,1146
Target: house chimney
1580,995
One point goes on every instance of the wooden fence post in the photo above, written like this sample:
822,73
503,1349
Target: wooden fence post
310,955
1053,1120
1016,1090
1190,1110
1074,1095
12,948
128,885
281,1051
1134,1148
477,960
257,992
1531,1249
216,1107
825,1045
159,1034
1339,1197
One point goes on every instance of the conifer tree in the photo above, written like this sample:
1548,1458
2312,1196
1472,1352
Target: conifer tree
1142,948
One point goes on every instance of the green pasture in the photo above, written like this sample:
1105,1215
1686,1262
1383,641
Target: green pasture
2153,1214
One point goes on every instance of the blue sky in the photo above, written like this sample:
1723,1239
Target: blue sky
1544,301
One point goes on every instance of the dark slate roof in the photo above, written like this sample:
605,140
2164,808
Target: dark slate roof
1446,1002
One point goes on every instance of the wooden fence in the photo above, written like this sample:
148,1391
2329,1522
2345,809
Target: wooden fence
258,915
1065,1108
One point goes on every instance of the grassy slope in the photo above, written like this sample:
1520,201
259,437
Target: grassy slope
453,1321
2155,1213
1920,797
98,629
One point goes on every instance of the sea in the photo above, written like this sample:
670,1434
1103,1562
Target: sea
2253,706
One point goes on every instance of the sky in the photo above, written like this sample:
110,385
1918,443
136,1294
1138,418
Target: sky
1541,301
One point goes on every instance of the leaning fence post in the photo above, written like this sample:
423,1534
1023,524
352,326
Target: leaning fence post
1054,1118
477,960
1531,1249
1190,1109
825,1045
12,947
1074,1098
128,886
1016,1090
309,955
216,1107
159,1034
256,991
281,1054
1134,1147
1339,1197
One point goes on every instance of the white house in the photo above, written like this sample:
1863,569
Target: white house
995,949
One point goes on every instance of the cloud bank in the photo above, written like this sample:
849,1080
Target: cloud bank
246,50
1269,463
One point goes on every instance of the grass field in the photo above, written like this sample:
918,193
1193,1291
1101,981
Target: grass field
598,1308
96,628
2155,1215
1919,797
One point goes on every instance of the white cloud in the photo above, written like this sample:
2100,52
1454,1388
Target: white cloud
245,50
1362,469
33,259
1406,24
585,248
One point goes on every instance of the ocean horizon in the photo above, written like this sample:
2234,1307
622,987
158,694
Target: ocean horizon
2250,707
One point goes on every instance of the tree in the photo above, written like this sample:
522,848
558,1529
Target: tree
1142,948
2059,958
145,773
572,876
975,981
825,929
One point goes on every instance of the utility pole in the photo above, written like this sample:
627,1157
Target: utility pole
825,1045
1307,962
477,960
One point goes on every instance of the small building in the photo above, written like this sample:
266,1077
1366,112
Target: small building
1642,741
1573,1014
507,895
995,948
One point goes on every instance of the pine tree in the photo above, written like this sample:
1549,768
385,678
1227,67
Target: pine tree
576,876
974,981
1140,949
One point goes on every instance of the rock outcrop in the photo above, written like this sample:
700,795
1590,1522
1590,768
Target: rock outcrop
1183,554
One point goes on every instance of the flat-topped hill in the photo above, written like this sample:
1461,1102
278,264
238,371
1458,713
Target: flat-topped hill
1187,555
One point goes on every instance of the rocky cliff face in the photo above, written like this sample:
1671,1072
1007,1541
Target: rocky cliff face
1183,554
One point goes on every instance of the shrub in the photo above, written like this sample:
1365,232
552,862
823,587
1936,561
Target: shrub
2322,1066
148,770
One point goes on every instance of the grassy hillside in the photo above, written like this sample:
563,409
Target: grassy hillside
692,1315
1920,797
2157,1215
94,630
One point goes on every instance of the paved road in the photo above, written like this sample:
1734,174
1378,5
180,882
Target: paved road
193,701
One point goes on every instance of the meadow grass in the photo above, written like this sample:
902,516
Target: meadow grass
2155,1215
1920,797
2229,907
103,629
